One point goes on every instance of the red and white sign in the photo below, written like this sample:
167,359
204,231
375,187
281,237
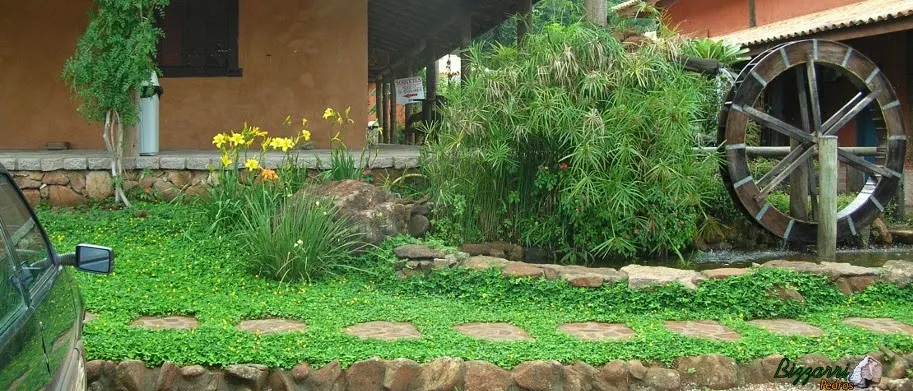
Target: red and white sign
409,90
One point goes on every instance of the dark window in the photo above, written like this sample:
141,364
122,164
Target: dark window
27,243
201,39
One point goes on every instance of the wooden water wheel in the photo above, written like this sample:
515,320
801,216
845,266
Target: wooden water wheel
801,64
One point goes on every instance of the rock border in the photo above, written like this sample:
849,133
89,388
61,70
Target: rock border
712,371
419,260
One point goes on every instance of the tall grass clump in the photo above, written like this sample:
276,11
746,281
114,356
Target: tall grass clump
297,239
574,142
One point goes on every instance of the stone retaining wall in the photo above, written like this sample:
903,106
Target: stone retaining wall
449,374
65,187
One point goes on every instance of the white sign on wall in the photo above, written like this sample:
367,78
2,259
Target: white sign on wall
409,90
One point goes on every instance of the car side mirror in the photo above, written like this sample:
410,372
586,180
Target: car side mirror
94,259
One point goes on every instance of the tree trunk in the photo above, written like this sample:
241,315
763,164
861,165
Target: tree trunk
596,12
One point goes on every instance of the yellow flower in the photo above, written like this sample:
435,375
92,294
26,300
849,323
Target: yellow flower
339,120
259,133
328,113
282,143
336,137
304,122
252,164
226,161
306,135
288,120
348,110
236,139
219,140
380,130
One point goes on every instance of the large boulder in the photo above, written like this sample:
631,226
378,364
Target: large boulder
372,210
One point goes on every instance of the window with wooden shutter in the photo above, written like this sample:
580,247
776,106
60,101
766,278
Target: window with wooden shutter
201,39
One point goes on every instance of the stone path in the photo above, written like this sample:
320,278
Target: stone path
387,331
168,322
787,327
592,331
707,329
880,325
88,318
499,332
272,326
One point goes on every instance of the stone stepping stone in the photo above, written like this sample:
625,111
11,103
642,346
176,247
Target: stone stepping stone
499,332
707,329
880,325
175,322
88,318
787,327
592,331
272,326
387,331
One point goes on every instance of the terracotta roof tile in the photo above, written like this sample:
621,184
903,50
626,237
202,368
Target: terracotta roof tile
862,13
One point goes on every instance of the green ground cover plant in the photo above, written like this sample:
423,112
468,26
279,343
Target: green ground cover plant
168,263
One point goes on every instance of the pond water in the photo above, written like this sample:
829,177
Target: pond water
872,257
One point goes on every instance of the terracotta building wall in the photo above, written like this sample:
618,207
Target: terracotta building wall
709,18
298,57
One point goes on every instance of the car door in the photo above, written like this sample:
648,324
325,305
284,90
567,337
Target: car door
23,365
49,288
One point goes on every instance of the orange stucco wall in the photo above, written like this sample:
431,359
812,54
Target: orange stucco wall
709,18
298,57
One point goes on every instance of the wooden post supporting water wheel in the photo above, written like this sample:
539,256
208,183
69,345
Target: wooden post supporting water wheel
801,64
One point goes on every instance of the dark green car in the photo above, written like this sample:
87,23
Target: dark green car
41,310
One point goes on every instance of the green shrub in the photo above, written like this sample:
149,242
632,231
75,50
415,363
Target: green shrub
297,239
574,143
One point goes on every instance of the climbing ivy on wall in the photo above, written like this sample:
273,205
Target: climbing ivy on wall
114,56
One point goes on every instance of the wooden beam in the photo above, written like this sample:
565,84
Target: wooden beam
431,82
393,112
525,24
378,98
385,106
752,17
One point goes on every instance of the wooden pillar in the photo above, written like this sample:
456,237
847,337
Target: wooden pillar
827,222
525,24
431,75
465,43
407,124
391,133
596,12
385,107
900,212
378,99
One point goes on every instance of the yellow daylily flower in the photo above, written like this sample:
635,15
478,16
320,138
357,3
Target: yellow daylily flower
252,164
236,139
259,133
339,120
328,113
226,161
304,122
219,140
288,120
306,135
348,110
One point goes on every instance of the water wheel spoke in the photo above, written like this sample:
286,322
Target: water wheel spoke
865,166
848,112
796,158
774,123
813,93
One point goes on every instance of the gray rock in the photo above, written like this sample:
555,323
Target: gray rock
483,262
371,210
382,162
416,251
400,374
662,379
848,270
131,375
198,163
28,164
898,272
99,163
192,371
714,371
804,267
167,376
443,374
99,185
8,163
252,374
419,226
421,209
173,163
51,164
147,163
539,375
647,276
366,375
401,163
75,164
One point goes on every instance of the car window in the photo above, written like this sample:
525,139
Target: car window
26,241
12,303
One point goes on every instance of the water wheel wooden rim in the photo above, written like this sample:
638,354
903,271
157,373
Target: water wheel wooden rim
874,91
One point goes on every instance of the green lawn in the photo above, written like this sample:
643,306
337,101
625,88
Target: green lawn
168,264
